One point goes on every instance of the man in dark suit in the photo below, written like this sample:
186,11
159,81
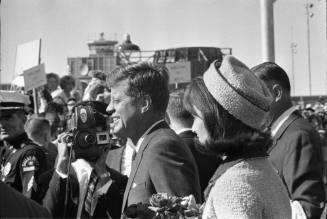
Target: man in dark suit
15,205
181,122
296,149
163,163
85,187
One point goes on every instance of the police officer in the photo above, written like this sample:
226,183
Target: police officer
22,161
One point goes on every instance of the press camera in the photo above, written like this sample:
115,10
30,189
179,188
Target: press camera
88,129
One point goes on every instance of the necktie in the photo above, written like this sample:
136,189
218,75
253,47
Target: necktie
90,190
134,155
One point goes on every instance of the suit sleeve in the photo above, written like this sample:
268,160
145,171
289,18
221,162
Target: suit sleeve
54,199
173,170
14,205
303,172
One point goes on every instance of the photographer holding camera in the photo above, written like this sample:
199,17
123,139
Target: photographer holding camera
82,186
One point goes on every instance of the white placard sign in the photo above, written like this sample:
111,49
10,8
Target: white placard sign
34,77
27,56
179,72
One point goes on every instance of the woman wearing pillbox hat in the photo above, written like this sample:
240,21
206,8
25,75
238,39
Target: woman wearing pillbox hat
230,105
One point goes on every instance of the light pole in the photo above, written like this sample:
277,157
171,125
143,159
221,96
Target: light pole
267,30
293,52
309,15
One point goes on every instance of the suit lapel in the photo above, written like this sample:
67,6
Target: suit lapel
114,159
137,161
283,128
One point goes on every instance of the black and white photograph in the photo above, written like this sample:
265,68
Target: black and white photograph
163,109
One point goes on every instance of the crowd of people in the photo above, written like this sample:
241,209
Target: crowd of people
232,139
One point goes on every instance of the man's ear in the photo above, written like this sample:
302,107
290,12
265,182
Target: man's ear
145,103
277,92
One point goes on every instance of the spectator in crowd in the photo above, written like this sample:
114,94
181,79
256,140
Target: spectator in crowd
181,122
22,161
139,98
38,130
54,113
46,91
296,150
70,105
96,87
229,105
53,81
67,85
85,187
15,205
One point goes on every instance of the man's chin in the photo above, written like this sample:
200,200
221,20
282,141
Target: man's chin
118,132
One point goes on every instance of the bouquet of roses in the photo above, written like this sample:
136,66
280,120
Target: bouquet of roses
163,206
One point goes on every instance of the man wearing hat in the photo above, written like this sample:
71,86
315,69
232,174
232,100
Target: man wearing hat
21,160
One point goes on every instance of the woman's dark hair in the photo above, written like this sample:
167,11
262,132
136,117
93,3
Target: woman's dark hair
65,80
53,75
227,135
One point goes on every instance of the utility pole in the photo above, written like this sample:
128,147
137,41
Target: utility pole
293,52
267,30
309,15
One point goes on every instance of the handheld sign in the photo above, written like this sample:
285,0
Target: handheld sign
27,56
34,77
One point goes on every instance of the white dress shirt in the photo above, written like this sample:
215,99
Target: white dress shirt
127,158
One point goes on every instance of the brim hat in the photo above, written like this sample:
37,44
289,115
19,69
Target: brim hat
235,87
12,100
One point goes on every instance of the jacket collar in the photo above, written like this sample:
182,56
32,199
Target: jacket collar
295,115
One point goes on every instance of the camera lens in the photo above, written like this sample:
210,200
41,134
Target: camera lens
90,139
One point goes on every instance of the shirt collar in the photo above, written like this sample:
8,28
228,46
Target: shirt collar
139,142
281,119
183,130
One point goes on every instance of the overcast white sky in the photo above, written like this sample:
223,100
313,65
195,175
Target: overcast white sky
65,26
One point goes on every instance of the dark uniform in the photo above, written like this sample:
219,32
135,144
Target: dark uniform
22,162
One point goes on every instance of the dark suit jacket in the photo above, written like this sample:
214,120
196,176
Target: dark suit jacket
15,205
107,204
296,154
163,164
207,164
114,158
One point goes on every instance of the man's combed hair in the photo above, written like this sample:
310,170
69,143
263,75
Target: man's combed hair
144,79
176,107
270,71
